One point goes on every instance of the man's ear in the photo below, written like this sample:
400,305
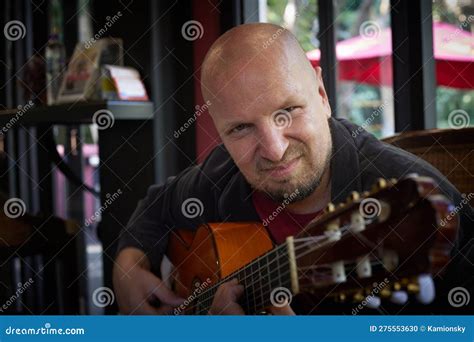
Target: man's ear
322,91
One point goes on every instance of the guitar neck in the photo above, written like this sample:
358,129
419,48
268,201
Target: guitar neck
260,278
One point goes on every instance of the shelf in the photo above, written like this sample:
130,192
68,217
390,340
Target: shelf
78,113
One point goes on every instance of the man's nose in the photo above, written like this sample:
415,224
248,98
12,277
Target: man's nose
273,143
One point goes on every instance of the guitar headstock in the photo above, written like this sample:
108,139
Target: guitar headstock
387,240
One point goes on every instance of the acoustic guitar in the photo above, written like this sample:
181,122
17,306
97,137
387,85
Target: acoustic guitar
386,239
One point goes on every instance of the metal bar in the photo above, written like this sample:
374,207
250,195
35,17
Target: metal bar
414,76
327,39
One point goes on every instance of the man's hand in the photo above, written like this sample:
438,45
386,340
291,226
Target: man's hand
136,287
227,296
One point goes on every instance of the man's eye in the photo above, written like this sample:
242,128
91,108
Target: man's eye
290,109
239,128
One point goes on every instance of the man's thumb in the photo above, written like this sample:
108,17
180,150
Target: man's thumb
166,296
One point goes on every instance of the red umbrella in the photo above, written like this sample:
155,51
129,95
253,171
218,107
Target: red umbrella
368,59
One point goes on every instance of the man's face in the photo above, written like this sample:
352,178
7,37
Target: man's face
274,123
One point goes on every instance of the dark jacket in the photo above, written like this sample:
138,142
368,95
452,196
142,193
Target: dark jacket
358,159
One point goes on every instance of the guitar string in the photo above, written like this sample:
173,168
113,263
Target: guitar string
260,298
303,242
306,240
343,230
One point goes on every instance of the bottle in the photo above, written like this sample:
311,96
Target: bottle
55,54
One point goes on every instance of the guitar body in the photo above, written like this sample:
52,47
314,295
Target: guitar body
213,252
344,256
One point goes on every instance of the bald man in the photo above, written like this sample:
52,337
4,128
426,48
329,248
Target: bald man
280,142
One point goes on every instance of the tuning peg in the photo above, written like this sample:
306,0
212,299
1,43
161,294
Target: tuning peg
397,286
365,194
390,260
399,297
379,185
330,207
413,288
353,196
338,272
359,297
426,293
373,302
393,181
385,293
412,175
341,297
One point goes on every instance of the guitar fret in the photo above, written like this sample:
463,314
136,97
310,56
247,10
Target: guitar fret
258,279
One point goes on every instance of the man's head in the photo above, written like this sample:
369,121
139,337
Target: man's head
270,109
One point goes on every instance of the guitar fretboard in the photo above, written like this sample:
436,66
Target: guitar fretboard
259,278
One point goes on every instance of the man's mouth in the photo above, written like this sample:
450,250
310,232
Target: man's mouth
283,170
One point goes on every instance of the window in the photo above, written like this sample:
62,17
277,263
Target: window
453,27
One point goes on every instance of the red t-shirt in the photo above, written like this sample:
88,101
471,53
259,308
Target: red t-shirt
279,222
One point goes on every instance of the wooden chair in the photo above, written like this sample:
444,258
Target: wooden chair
451,151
